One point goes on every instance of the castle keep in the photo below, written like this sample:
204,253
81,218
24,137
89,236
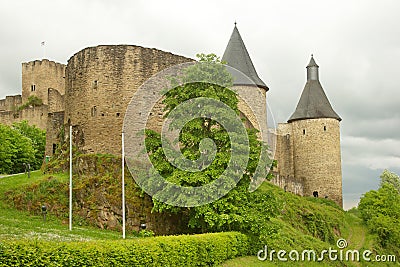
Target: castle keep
93,90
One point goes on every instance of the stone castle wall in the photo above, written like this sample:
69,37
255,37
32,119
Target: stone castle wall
285,171
39,75
308,152
36,115
10,103
56,100
100,82
54,131
253,107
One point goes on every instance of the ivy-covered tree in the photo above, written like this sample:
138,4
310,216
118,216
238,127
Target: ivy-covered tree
228,212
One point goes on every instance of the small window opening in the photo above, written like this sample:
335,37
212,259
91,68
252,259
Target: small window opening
118,114
54,148
94,111
33,88
95,84
288,136
315,193
102,114
325,128
304,131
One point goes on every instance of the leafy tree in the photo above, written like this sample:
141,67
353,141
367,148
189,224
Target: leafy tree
380,209
231,211
15,150
38,138
391,178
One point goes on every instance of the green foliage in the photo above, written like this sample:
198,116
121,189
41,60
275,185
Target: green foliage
231,211
391,178
380,209
32,101
196,250
38,138
15,150
21,144
143,233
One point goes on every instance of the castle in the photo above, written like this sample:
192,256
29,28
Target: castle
93,90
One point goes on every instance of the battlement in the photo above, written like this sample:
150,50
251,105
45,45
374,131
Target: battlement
43,63
40,75
10,102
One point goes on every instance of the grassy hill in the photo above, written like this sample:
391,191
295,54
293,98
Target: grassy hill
302,224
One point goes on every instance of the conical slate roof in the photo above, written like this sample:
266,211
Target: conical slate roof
237,57
313,103
312,62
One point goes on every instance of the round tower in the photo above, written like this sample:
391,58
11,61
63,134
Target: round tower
316,141
100,82
253,105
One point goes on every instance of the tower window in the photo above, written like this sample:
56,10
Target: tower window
33,88
95,84
325,128
118,114
94,111
304,131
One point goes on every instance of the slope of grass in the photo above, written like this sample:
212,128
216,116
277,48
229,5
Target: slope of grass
303,223
16,224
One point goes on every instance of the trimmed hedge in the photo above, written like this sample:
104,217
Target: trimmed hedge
185,250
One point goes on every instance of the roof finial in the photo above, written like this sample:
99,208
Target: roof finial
312,55
235,23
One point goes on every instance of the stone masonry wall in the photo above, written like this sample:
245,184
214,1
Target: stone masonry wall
55,123
10,103
253,106
56,100
317,158
284,173
100,82
34,115
42,74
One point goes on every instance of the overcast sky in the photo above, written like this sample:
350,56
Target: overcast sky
355,43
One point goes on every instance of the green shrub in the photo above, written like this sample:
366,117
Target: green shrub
32,101
184,250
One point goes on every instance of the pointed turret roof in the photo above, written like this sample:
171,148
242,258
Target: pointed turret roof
313,102
237,57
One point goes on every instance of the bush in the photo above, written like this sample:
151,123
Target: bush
32,102
184,250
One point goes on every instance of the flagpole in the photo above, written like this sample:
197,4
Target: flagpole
123,187
70,177
44,49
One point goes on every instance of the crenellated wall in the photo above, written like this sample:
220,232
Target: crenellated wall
10,103
100,82
36,115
